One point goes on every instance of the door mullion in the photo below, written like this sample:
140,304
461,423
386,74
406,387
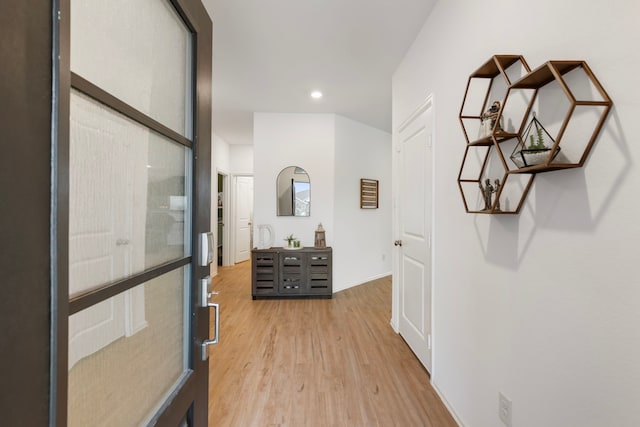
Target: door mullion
96,296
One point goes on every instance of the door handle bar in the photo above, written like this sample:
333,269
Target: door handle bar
204,303
206,343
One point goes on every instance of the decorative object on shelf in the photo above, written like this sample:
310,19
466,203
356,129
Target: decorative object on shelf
489,119
368,193
320,240
292,242
265,236
487,191
535,148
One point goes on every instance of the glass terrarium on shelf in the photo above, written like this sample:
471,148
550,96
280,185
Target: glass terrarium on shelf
536,146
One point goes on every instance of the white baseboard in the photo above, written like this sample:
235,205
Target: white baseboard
362,282
455,416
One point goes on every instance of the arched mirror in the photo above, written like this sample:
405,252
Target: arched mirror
293,189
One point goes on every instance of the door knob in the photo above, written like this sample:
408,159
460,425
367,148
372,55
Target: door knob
397,243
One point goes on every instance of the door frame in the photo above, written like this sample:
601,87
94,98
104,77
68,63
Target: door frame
226,208
195,385
428,102
25,211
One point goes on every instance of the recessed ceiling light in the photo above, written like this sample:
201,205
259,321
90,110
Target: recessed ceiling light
316,94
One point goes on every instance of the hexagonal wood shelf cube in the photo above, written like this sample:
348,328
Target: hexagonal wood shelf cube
487,85
571,104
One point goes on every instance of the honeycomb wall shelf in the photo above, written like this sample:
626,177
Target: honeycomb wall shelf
563,97
487,85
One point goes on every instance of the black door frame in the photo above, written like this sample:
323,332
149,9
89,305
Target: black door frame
25,209
195,385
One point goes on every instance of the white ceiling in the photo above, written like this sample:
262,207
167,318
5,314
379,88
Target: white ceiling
269,54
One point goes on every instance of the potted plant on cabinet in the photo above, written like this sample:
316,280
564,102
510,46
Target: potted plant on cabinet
292,242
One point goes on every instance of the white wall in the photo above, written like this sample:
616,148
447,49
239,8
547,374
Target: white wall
305,140
241,159
336,152
362,237
543,306
220,157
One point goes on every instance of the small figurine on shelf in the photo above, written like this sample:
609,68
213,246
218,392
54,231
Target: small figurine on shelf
487,190
497,190
489,119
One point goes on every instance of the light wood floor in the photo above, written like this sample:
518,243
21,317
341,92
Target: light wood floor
315,362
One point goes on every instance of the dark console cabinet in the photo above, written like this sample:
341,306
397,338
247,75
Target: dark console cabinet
279,272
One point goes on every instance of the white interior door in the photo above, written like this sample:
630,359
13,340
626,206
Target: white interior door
414,212
244,214
106,239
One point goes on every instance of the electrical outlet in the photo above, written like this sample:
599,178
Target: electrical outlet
504,409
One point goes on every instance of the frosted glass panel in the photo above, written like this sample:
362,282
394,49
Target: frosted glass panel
121,382
139,52
128,202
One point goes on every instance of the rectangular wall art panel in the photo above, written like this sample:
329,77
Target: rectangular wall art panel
368,193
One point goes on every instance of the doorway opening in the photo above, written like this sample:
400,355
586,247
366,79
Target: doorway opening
220,242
